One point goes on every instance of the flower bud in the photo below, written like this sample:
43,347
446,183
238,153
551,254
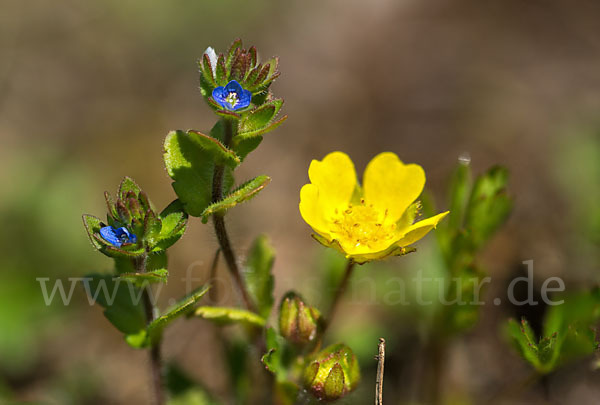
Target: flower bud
298,322
332,373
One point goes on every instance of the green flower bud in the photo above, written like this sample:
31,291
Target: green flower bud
332,373
298,322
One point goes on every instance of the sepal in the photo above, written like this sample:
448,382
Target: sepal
332,373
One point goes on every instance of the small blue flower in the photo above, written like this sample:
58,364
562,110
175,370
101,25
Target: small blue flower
232,97
117,236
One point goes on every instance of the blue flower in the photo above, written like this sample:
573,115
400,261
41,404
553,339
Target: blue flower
117,236
232,97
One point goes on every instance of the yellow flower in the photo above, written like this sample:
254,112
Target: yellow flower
371,222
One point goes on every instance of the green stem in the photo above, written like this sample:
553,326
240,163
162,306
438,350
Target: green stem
219,222
341,289
155,353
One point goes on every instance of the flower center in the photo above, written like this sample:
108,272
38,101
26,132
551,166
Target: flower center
362,226
232,99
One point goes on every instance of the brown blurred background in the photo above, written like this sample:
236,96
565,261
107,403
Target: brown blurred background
88,90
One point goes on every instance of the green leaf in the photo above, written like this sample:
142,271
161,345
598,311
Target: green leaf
228,115
260,117
191,168
541,355
273,360
121,302
460,187
224,316
92,226
128,185
152,227
244,146
573,322
243,193
220,153
142,279
183,307
249,134
173,224
259,278
488,206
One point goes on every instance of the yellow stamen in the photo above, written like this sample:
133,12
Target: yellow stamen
361,225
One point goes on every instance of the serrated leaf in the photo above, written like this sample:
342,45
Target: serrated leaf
243,193
220,153
191,168
183,307
259,278
121,302
243,137
540,355
224,315
174,221
260,117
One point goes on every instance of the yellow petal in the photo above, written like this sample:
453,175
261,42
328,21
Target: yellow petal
311,210
335,179
391,185
419,229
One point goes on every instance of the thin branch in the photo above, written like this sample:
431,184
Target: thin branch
379,378
341,289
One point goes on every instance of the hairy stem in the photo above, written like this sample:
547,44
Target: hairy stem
219,222
155,355
341,289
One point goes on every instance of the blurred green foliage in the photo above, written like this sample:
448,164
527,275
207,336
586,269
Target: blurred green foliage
569,333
